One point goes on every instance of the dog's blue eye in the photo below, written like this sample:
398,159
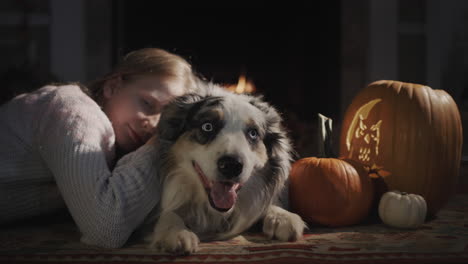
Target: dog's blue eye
207,127
253,133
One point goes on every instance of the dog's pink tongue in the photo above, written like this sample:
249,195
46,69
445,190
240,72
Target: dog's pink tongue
224,195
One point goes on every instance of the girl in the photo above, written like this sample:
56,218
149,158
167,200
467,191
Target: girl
60,146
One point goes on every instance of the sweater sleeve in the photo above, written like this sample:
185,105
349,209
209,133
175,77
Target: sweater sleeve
75,139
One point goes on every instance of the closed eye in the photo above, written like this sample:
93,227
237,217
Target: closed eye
146,102
150,105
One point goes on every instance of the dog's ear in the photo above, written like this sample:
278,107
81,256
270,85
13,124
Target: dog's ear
174,116
277,142
279,149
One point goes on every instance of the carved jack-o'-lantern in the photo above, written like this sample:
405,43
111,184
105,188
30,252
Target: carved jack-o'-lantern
410,130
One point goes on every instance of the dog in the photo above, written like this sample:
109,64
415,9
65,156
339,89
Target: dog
224,159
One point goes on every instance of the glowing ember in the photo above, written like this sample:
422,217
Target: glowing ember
242,86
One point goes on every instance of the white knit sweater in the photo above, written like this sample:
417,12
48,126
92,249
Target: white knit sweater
59,137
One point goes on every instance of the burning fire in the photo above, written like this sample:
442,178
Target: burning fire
242,86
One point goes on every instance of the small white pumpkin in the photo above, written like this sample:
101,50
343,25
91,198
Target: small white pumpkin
402,210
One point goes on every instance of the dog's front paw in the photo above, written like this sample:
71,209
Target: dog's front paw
180,242
283,225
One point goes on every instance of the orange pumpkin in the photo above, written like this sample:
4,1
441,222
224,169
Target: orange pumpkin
331,192
410,130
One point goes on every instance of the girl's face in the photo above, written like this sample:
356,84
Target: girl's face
134,107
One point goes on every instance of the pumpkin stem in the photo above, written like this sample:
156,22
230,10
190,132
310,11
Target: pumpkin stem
377,172
325,143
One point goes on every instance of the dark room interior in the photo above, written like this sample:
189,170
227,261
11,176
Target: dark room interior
303,57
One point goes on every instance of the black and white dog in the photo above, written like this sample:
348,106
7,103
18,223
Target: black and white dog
225,158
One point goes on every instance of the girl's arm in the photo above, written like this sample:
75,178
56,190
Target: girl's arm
76,143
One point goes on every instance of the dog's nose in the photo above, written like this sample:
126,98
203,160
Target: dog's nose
230,166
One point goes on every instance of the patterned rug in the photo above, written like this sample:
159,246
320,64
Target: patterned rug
443,239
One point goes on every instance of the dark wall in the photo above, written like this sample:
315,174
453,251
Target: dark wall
290,52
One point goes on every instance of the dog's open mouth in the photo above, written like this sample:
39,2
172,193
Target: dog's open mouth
221,194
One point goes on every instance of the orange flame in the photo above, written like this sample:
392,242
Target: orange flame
242,86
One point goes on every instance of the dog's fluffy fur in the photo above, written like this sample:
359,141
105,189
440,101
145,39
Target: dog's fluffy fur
224,159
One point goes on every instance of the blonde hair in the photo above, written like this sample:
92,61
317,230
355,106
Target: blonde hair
143,62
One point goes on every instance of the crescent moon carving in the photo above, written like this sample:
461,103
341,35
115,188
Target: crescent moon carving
363,111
